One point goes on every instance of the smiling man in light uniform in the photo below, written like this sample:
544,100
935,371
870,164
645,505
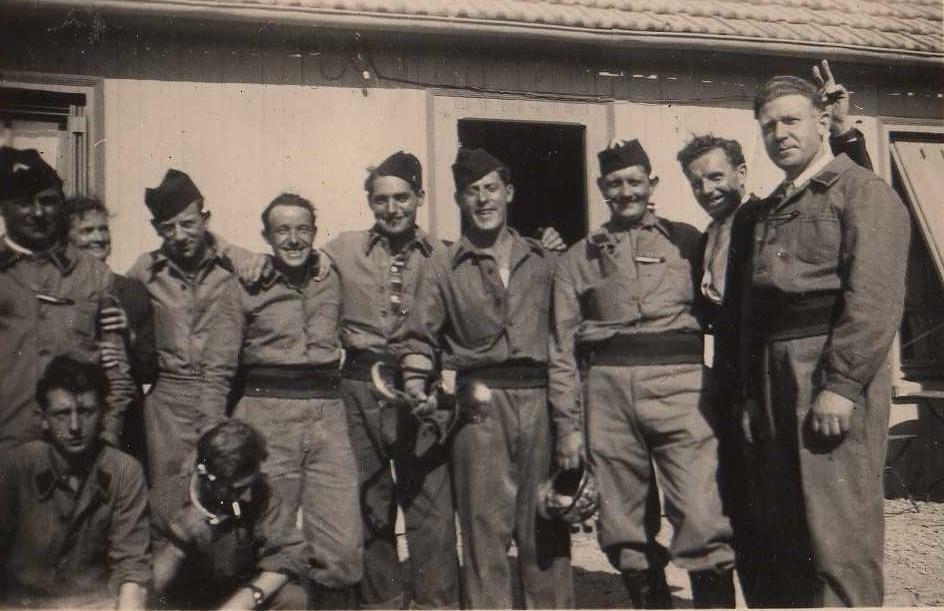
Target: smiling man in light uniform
624,308
481,309
289,360
379,268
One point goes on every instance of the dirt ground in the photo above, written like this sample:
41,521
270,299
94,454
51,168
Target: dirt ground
914,562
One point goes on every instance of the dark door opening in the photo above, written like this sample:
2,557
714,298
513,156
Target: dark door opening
548,169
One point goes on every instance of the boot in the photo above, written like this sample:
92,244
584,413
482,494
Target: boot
712,589
648,589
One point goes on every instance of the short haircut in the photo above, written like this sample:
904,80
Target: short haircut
699,145
231,449
288,199
65,372
780,86
78,207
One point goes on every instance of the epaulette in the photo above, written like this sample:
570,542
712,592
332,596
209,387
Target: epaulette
826,178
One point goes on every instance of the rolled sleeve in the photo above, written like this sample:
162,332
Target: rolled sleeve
129,537
563,373
876,234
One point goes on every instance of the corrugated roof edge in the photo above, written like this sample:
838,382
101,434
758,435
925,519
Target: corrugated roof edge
379,21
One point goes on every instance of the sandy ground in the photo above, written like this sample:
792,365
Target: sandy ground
914,563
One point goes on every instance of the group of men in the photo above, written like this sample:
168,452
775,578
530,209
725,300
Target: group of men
250,378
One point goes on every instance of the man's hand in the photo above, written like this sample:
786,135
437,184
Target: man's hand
191,528
241,600
416,388
569,450
836,99
111,355
252,267
551,240
750,419
113,319
830,414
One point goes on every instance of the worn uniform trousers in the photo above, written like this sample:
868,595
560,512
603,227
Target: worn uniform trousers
646,414
311,464
497,465
823,501
422,488
172,424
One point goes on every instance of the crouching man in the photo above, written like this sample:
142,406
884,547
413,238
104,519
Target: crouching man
73,511
223,537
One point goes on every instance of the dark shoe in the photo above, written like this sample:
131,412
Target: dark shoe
712,589
648,589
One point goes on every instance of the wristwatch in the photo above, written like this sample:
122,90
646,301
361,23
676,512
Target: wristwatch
258,596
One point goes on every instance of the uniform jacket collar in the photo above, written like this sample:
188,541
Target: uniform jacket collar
421,240
160,260
64,256
611,233
520,248
315,261
821,181
97,484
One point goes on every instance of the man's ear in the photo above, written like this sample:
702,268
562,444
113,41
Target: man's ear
511,192
205,214
653,182
420,198
43,419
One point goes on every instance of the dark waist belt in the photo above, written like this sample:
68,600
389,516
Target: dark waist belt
508,375
777,315
357,364
670,348
290,381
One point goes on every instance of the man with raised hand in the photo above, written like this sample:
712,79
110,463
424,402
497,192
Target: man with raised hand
827,283
54,299
626,331
482,310
379,268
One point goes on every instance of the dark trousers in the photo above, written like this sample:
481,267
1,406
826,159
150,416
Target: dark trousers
823,502
497,466
422,488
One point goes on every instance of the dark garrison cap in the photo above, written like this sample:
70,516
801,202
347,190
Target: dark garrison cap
23,173
471,165
623,154
404,166
172,196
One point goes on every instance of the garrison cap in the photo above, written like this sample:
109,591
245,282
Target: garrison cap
473,164
23,173
172,196
623,154
402,165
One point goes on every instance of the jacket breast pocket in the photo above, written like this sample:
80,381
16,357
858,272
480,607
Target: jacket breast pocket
819,237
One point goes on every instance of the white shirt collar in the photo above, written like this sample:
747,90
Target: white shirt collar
812,169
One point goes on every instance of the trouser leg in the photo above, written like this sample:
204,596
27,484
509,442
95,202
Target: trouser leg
424,491
840,483
381,585
629,507
543,545
171,423
485,473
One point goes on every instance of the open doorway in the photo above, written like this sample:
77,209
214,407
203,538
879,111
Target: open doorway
548,168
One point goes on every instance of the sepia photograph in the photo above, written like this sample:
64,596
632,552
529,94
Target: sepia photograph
471,304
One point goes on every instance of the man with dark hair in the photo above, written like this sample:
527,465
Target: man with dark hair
379,268
194,292
132,317
73,511
827,286
481,309
54,299
223,536
289,361
624,306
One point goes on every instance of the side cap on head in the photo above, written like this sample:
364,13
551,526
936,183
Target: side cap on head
172,196
623,154
473,164
402,165
24,173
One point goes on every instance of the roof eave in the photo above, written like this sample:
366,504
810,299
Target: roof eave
468,27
